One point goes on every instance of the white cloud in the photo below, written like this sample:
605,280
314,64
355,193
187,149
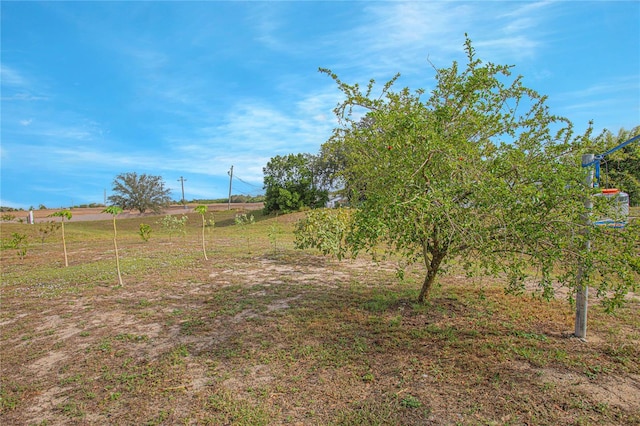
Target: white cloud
629,85
266,23
16,86
67,129
12,77
24,97
395,37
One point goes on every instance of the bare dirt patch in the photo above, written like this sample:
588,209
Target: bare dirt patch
259,336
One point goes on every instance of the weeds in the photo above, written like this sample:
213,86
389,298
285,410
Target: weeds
20,243
145,232
289,339
46,229
7,217
174,226
410,401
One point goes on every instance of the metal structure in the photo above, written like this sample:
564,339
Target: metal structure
593,180
619,200
597,159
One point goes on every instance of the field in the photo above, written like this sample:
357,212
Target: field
263,334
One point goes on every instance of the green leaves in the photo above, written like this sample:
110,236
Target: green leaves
145,232
172,225
479,170
294,182
64,214
113,210
140,192
325,230
20,243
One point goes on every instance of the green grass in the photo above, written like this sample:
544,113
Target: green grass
263,334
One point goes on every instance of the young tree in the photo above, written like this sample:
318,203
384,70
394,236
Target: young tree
481,172
63,214
46,229
20,242
114,211
202,209
172,225
142,193
293,182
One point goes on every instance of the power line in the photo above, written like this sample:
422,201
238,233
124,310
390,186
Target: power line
254,193
247,183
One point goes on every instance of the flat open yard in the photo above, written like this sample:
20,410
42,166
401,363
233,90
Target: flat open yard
263,334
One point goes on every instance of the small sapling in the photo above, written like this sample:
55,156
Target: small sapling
145,232
114,211
203,210
63,214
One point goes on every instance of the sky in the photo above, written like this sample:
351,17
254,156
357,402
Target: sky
91,90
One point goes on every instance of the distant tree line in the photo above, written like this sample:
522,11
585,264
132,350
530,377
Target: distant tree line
239,198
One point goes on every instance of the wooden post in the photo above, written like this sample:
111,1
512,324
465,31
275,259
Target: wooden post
582,294
230,172
181,180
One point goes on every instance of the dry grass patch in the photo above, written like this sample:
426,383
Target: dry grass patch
263,334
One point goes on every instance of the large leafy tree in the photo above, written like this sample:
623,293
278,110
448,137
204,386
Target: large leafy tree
481,172
140,192
292,182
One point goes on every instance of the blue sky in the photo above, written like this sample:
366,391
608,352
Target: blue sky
94,89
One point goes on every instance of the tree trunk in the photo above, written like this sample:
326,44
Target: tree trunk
204,248
433,267
115,245
64,246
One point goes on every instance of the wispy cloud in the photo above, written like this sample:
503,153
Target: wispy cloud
12,77
60,128
266,23
400,36
16,86
629,85
24,97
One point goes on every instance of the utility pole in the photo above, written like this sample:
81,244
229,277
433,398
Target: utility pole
582,294
105,197
182,180
230,182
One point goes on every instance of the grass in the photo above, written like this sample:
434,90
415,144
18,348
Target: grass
263,334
